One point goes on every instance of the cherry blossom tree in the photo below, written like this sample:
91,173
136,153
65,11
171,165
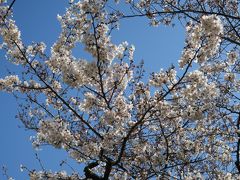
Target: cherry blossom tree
181,123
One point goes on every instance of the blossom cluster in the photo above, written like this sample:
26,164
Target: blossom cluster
53,132
203,40
41,175
9,83
11,37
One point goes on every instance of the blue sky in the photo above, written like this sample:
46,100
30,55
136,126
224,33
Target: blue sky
158,47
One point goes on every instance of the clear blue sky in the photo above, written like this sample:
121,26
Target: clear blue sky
158,47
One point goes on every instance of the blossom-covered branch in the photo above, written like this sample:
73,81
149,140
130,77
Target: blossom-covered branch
179,124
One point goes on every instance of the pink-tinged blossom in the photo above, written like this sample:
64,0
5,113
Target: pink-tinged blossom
113,119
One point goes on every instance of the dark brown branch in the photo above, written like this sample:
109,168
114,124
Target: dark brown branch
9,8
52,90
126,138
185,12
56,94
99,64
88,172
237,163
108,169
182,11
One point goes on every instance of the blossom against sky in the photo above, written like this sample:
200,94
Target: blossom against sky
37,20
